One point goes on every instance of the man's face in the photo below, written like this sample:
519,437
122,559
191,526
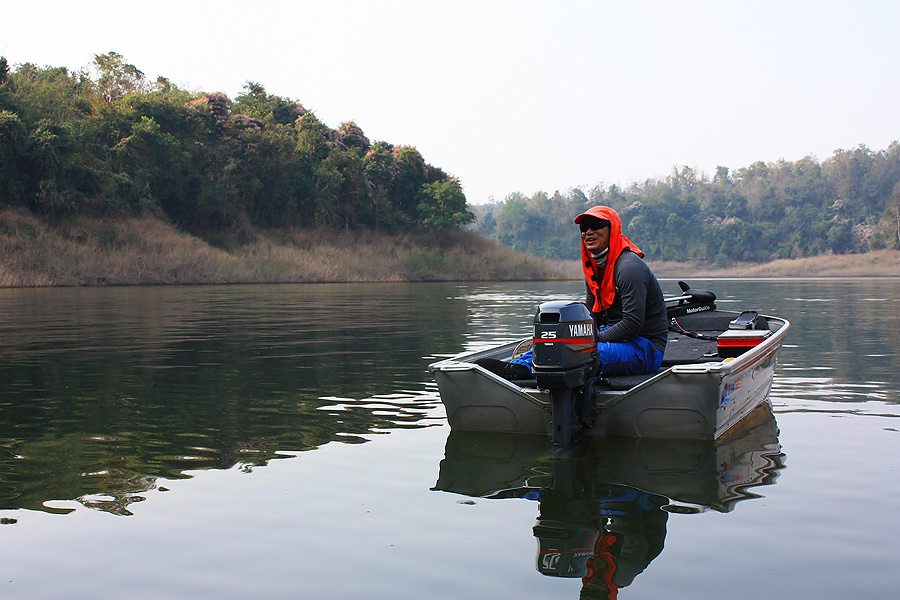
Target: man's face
595,235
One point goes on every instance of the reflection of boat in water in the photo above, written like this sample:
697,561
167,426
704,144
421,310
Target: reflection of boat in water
718,367
604,504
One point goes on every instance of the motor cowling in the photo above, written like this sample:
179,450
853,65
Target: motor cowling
565,350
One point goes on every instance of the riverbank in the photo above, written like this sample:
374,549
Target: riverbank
881,263
149,251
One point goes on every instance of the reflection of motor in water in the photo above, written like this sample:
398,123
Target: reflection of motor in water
607,535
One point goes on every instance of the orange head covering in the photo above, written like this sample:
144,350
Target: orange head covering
605,290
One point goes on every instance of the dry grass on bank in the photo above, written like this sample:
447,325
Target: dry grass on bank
881,263
146,251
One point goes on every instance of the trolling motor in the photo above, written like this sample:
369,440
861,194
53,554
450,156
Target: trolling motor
565,363
690,301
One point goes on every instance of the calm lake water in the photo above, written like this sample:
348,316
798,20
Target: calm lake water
288,442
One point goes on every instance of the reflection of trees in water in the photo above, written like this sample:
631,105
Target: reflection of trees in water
604,504
128,396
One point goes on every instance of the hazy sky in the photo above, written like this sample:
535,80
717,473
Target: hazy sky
522,95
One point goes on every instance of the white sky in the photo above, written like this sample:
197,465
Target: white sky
521,95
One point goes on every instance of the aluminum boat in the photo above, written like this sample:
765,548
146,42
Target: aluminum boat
718,366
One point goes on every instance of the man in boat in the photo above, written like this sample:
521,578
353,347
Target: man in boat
624,298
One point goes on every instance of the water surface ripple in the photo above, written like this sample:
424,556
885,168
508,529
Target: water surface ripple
287,441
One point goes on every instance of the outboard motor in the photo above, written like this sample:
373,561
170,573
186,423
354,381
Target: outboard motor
565,360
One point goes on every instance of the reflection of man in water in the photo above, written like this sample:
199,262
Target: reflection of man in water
631,537
607,536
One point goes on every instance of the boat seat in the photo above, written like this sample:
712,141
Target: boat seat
626,382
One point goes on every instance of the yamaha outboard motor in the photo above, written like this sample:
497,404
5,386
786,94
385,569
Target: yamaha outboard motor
565,359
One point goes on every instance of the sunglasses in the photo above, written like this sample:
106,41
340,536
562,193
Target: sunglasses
594,224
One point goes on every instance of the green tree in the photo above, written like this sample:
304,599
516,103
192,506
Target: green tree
270,109
518,226
380,169
892,215
443,205
12,159
116,78
488,225
406,186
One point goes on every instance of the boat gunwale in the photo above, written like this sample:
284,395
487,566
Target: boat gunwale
771,344
465,361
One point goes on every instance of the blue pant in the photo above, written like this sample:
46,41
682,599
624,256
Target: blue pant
631,357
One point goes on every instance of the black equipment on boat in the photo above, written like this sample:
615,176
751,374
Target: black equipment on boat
749,319
690,301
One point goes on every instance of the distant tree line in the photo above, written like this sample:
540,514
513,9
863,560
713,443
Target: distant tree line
849,203
105,140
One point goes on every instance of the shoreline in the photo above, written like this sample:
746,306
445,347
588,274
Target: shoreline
132,251
880,263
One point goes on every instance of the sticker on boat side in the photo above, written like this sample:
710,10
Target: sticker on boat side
730,388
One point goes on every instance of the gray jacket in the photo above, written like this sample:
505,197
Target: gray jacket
639,308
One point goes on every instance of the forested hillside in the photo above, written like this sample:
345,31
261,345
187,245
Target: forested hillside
107,141
848,203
